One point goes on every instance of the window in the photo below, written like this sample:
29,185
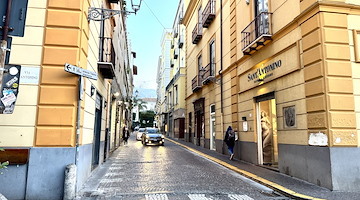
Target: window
199,63
176,95
212,109
170,99
212,58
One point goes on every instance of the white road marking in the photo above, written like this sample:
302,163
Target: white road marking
239,197
198,197
156,197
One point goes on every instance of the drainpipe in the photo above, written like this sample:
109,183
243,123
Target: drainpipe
101,42
221,69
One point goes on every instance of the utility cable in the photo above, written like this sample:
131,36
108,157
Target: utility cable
154,14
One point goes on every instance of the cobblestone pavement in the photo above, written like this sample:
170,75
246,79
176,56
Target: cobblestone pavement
165,172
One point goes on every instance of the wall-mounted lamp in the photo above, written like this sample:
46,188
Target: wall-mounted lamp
116,94
92,90
101,14
247,2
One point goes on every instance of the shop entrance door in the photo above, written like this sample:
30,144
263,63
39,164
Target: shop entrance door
267,130
97,131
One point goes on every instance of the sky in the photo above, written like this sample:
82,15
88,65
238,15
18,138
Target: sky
145,31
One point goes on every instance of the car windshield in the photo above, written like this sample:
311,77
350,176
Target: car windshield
152,130
141,130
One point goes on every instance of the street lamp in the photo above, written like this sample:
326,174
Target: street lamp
101,14
135,6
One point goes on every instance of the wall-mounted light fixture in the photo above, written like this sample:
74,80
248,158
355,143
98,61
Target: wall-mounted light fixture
116,94
247,2
101,14
92,90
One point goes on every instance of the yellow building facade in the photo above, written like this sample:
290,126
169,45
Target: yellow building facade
175,89
50,126
285,81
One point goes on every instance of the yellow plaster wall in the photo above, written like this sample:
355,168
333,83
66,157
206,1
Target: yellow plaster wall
354,33
18,129
58,89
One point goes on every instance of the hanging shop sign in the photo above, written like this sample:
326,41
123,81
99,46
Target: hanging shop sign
9,89
272,68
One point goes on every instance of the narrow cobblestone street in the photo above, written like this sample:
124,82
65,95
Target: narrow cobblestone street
167,172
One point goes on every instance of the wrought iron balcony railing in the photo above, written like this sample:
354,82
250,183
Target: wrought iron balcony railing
257,34
208,73
208,13
197,33
197,82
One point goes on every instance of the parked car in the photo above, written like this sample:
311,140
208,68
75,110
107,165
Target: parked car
139,133
152,136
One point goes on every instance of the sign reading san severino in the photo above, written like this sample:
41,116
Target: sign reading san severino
262,73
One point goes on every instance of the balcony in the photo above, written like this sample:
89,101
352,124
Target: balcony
197,33
181,42
176,53
106,62
208,73
257,34
197,83
208,13
171,63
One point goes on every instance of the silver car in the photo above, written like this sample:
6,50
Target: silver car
139,133
152,136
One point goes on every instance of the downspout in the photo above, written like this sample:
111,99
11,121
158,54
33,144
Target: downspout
221,57
101,42
221,68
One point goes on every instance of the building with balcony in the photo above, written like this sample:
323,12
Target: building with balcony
59,118
175,89
163,79
285,81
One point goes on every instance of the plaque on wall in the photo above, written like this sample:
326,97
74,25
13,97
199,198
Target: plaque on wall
289,117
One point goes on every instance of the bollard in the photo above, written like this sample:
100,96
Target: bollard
70,182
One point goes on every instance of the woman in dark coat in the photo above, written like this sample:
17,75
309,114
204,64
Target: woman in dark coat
230,141
125,134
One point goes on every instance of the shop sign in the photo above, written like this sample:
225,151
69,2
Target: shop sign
272,68
264,72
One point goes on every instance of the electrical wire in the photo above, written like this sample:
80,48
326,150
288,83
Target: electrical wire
154,14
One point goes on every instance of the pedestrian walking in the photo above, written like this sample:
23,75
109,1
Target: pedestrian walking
125,135
230,141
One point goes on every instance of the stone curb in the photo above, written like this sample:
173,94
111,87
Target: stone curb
276,187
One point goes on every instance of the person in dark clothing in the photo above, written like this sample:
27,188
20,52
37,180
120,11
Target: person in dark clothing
125,134
230,141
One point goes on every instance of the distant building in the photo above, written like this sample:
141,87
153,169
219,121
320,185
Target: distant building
163,78
150,103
